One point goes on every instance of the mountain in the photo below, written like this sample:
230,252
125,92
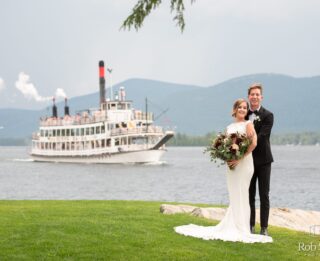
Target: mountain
193,109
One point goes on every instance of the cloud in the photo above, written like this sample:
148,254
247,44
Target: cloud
28,89
60,93
2,86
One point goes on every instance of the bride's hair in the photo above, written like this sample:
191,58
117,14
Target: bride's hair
236,106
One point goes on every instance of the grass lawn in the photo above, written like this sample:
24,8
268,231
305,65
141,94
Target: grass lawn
125,230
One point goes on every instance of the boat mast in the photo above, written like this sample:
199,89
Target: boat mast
147,121
111,91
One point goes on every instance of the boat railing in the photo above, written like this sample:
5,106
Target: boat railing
90,151
127,131
68,121
113,132
35,136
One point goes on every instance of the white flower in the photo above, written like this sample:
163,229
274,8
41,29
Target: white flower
235,146
257,119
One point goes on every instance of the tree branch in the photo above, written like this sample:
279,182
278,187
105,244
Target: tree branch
144,7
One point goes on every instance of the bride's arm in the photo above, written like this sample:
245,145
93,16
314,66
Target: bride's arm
251,133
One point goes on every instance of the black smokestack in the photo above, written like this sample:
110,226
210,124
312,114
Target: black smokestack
102,82
54,109
66,108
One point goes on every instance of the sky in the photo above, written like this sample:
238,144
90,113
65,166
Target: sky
53,47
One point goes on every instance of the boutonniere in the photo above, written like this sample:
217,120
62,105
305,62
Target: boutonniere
256,120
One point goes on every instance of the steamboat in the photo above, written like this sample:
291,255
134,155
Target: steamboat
113,133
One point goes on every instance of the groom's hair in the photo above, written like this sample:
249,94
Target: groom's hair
255,86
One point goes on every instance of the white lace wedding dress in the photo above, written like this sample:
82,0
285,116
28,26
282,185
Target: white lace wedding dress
235,226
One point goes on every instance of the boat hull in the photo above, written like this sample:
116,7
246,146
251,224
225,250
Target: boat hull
143,156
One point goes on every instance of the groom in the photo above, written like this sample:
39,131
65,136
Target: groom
262,157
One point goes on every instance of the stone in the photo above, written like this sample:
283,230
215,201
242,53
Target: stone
173,209
295,219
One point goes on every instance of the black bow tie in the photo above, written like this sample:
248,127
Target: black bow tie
256,112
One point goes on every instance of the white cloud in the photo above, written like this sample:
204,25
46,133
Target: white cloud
60,93
28,89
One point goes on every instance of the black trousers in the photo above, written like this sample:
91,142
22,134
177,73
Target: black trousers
262,174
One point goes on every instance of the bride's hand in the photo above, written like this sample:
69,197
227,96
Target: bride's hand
232,163
250,133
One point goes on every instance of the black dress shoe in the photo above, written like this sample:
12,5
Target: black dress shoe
252,230
264,231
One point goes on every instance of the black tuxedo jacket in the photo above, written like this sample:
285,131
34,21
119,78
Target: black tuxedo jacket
263,125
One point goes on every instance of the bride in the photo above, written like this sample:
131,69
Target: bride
235,226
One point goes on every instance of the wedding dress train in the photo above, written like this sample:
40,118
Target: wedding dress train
235,226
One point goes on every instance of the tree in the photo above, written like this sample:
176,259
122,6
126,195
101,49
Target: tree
144,7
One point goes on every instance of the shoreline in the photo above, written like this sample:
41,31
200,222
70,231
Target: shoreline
164,202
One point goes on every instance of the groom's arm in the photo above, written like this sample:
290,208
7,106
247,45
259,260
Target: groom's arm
266,126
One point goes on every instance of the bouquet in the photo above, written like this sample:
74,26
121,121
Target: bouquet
228,147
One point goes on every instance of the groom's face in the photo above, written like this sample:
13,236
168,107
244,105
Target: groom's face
255,98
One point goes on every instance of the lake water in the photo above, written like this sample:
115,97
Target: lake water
184,175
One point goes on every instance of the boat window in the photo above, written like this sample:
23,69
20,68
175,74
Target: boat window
67,132
102,129
87,131
82,131
77,132
108,142
72,132
124,141
102,143
92,131
63,133
42,133
98,130
46,133
117,142
54,133
58,132
121,106
139,140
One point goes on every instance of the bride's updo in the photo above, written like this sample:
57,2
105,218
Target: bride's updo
237,104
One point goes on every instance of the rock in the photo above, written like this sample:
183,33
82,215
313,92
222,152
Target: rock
209,213
173,209
296,219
